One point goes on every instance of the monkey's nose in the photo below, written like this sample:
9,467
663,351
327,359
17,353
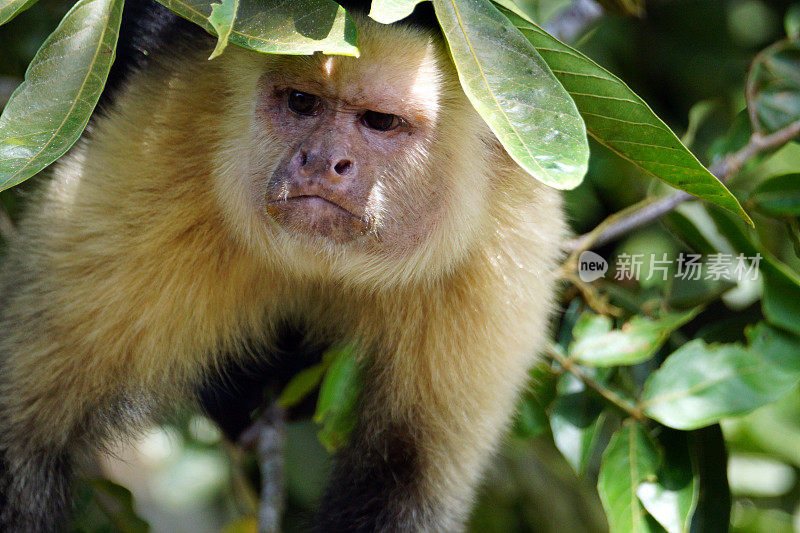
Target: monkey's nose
313,166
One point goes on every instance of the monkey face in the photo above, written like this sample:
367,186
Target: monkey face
373,164
344,140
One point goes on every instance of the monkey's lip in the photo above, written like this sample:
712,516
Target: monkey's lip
316,200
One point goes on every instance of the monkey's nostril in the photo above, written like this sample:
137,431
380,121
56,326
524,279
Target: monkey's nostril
303,158
343,166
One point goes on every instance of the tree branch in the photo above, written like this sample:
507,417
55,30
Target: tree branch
648,210
266,437
609,395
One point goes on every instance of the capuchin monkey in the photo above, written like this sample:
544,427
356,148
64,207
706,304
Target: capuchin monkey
213,205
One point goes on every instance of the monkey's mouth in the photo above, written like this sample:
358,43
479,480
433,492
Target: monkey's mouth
315,201
316,214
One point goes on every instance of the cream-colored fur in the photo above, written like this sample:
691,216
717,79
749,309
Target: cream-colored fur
144,258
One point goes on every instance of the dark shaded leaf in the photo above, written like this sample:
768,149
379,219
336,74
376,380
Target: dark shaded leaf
773,87
672,497
778,197
11,8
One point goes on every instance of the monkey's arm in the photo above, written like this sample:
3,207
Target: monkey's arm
437,398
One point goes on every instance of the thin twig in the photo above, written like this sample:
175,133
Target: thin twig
649,210
267,436
612,397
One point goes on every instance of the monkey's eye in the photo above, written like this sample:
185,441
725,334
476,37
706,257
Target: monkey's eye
380,121
304,103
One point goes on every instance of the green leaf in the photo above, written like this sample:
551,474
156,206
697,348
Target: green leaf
700,384
778,196
282,27
514,91
791,22
48,112
11,8
638,340
781,299
338,397
388,11
302,384
686,230
773,87
780,348
118,506
531,418
576,420
222,19
672,497
621,121
630,458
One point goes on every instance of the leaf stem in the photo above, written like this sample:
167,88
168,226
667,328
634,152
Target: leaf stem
649,209
609,395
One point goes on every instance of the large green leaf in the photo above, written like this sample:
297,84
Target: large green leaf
282,26
48,112
637,340
630,458
621,121
699,384
388,11
11,8
513,89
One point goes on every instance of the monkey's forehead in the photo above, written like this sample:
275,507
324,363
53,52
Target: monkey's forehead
400,70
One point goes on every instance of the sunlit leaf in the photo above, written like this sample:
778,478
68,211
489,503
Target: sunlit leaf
48,112
222,19
630,458
281,27
621,121
699,384
513,89
637,340
773,87
338,396
388,11
778,196
11,8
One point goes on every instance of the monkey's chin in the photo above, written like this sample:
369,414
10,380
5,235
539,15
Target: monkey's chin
315,216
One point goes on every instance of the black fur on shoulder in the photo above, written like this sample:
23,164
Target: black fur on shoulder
148,28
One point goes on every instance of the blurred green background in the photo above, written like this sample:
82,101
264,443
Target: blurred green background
685,58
